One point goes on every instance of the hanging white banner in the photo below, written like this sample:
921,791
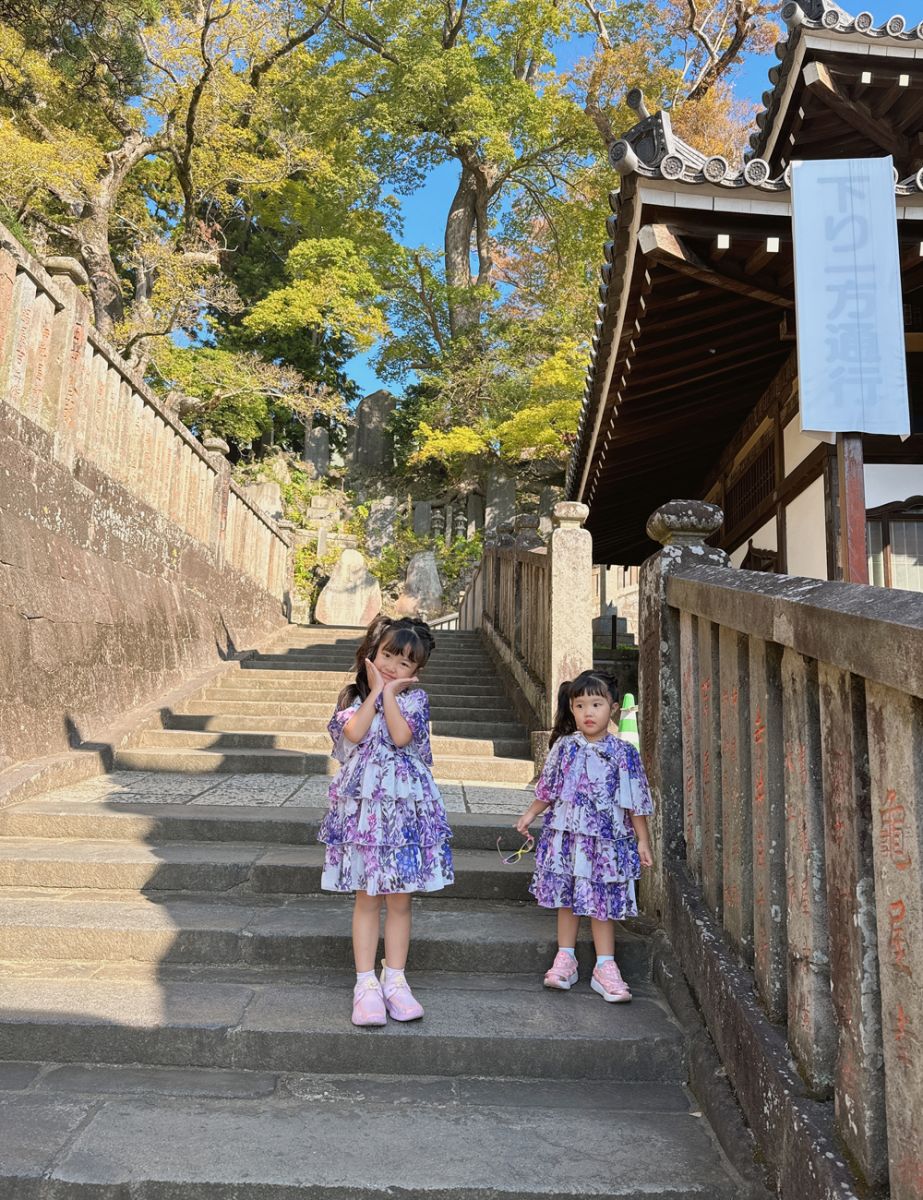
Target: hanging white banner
852,373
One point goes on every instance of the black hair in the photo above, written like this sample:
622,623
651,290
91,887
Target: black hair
587,683
406,635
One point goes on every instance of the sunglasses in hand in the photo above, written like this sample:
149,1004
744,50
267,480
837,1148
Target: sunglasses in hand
509,859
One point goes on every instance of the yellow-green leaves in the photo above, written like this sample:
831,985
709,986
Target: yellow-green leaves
332,288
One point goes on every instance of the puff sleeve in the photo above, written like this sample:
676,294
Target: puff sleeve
342,746
414,708
634,793
548,788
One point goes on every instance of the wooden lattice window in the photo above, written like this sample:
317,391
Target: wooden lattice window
755,484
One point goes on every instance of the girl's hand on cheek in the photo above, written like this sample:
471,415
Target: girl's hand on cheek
372,673
399,685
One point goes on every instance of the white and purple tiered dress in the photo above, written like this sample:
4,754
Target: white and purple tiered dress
386,829
587,853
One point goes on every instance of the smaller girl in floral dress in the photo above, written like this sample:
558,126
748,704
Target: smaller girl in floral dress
385,831
594,840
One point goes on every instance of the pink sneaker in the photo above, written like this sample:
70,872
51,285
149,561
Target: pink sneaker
608,981
562,974
399,1000
368,1003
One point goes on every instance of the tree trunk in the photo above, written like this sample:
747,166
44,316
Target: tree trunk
105,290
459,230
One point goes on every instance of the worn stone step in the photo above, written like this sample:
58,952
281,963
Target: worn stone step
475,1024
90,1132
445,700
139,817
285,739
310,932
295,762
283,762
201,716
345,658
239,868
288,677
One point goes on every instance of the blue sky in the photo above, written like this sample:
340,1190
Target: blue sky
424,211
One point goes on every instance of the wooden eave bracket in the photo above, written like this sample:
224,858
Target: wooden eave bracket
820,83
659,244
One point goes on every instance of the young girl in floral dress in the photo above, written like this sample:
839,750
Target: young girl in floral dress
386,831
594,840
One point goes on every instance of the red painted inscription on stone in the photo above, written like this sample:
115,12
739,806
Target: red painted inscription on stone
893,831
759,728
897,936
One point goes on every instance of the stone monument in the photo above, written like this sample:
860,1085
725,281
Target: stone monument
316,455
351,596
422,592
372,448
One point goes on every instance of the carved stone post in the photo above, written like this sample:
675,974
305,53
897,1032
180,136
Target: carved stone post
570,617
217,450
682,527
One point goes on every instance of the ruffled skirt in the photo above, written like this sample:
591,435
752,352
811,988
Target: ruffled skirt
386,830
591,875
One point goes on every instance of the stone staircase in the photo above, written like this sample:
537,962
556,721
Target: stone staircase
270,713
175,995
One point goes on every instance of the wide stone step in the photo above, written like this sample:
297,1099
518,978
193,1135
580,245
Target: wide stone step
239,868
445,700
140,817
342,659
293,676
310,933
296,762
82,1132
284,739
202,716
481,1025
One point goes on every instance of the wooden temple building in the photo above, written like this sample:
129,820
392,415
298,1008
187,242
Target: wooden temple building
692,390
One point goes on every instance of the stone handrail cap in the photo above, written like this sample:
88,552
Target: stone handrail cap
684,523
216,445
569,513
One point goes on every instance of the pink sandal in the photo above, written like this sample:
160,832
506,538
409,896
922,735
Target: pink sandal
399,1000
368,1003
562,974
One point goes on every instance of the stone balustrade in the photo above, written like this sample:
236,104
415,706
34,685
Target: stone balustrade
782,727
61,374
536,605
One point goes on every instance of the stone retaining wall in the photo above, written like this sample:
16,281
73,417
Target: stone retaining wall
128,560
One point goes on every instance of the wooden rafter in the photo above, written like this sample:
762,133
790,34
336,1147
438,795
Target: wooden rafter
855,113
659,244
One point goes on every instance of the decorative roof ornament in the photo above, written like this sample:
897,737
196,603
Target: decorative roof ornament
652,150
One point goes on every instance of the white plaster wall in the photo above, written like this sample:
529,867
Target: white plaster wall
805,533
796,446
887,482
765,538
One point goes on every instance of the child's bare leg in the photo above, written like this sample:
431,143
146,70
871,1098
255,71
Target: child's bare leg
568,927
603,937
397,930
365,930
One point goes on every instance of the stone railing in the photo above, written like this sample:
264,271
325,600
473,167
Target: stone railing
537,605
782,727
56,370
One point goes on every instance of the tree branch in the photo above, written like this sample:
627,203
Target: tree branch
261,68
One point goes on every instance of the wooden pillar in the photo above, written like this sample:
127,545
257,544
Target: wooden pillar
853,561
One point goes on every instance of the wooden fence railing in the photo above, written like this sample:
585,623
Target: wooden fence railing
783,728
60,373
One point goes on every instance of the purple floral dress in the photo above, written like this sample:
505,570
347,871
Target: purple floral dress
587,854
386,829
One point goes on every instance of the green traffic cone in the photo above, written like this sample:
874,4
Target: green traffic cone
628,721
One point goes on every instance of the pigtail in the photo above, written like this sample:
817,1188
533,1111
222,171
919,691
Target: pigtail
564,722
368,647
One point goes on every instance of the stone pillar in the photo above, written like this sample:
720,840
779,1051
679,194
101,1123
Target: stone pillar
475,513
422,517
217,450
682,527
501,501
525,531
316,453
570,627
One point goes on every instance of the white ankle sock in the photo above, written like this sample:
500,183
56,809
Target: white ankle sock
567,950
361,976
391,973
604,958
